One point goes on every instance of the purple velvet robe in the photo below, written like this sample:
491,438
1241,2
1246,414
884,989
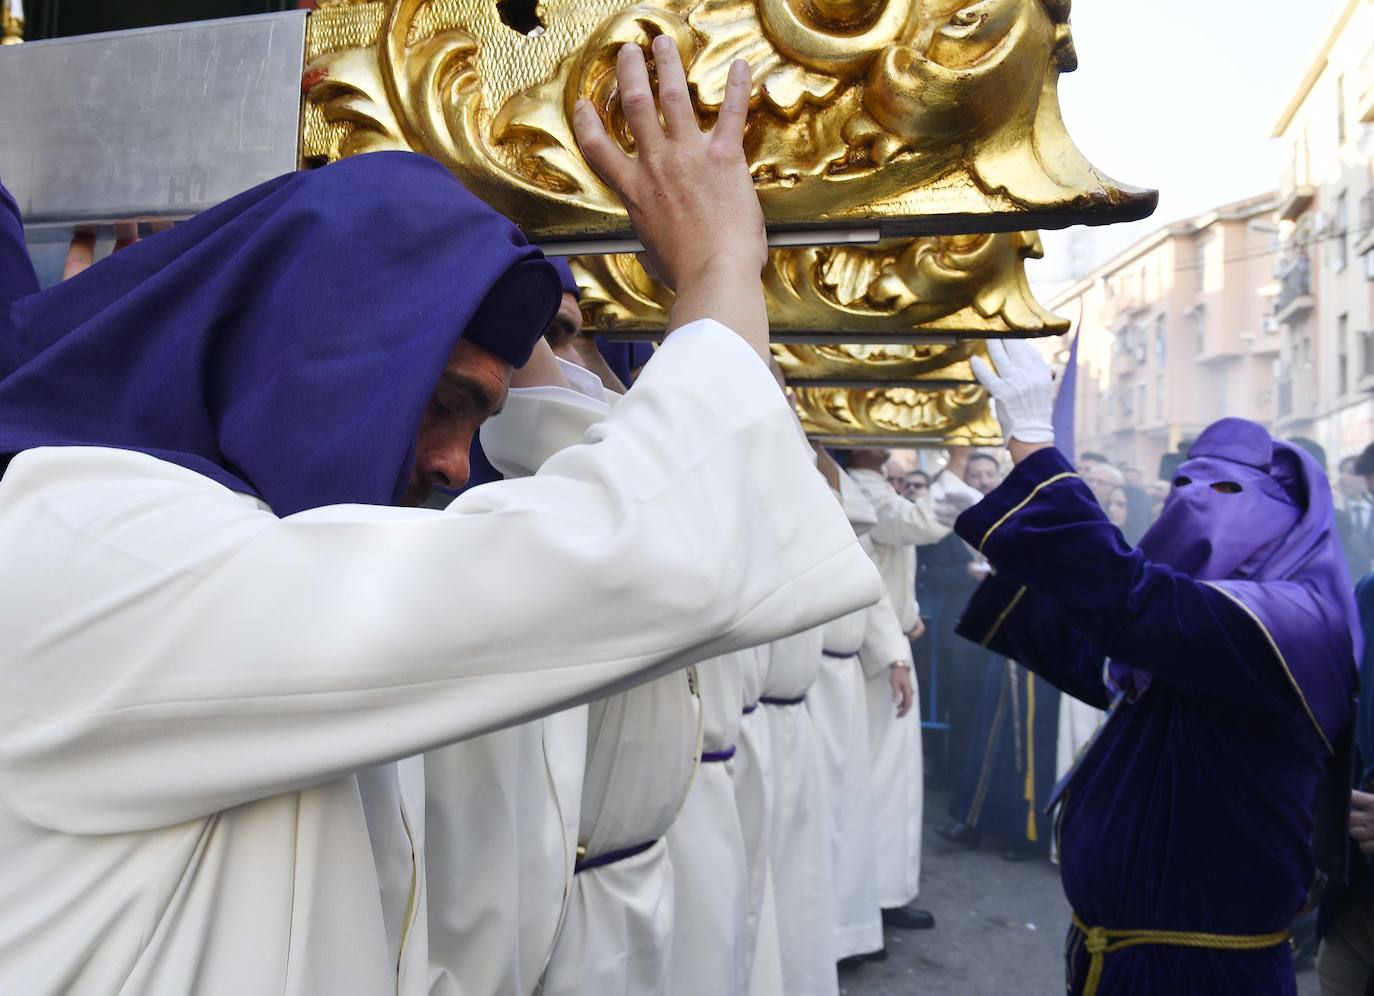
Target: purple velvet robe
1193,809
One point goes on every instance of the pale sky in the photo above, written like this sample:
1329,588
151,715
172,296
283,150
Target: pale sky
1180,96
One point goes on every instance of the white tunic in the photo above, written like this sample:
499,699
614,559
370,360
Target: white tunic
838,704
896,760
895,744
799,828
493,918
500,840
190,683
706,845
641,756
753,773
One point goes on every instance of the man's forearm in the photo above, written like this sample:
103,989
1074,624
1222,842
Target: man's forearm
730,295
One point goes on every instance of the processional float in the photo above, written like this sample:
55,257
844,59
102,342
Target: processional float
904,151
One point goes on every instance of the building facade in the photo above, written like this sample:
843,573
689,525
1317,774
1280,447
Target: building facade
1324,303
1176,332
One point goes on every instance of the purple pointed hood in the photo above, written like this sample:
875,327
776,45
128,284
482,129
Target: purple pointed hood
1254,516
284,343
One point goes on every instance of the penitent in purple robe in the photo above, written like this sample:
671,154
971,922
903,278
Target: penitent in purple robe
1231,649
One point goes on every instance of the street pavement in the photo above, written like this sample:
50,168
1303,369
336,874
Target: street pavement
999,928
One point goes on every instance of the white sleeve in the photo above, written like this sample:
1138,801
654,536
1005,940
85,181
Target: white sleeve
172,651
885,643
948,484
901,522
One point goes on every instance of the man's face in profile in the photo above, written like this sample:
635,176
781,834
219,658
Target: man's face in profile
471,389
564,328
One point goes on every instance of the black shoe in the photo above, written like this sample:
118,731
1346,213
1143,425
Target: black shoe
908,918
879,955
961,833
851,963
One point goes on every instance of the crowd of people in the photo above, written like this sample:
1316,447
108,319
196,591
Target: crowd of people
999,739
369,630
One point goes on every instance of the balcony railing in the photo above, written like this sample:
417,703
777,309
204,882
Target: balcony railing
1295,283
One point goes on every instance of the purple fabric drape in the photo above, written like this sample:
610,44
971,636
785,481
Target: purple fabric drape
1063,418
17,278
283,343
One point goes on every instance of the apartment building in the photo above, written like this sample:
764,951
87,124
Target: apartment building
1324,304
1176,332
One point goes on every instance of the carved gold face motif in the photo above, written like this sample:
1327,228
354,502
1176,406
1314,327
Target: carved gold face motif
901,291
927,115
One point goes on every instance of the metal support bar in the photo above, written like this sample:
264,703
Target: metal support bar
153,123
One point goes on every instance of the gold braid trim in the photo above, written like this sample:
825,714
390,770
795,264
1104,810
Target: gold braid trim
1002,617
1022,504
1100,942
1278,654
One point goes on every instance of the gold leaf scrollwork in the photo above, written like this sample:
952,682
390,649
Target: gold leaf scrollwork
888,364
904,290
928,117
899,415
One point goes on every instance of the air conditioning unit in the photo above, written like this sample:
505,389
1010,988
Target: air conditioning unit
1269,324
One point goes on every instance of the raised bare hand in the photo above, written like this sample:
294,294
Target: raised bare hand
81,249
689,194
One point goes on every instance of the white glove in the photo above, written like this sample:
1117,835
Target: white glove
946,512
1021,386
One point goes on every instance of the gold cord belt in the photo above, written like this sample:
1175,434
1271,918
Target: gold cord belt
1100,942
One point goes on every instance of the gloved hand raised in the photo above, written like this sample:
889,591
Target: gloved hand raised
1022,388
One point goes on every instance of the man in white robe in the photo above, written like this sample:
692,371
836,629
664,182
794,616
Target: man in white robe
706,843
799,842
895,733
839,712
753,775
492,922
193,684
641,755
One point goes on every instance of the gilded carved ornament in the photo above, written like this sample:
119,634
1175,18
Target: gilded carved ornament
908,415
900,291
898,394
924,116
923,365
